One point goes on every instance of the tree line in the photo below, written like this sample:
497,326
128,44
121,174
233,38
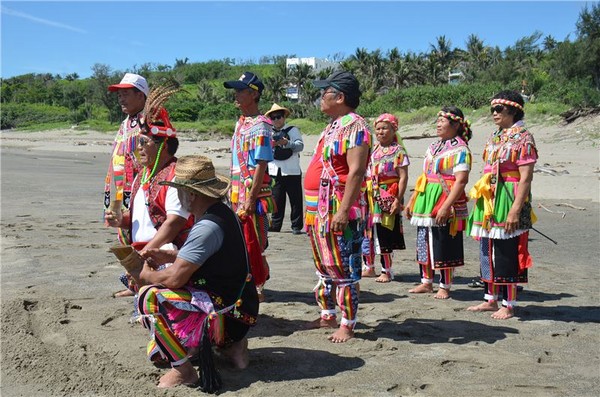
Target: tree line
546,70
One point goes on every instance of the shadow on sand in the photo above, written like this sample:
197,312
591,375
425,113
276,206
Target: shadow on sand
272,364
424,331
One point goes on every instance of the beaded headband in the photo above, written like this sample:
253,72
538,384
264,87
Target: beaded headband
451,116
499,101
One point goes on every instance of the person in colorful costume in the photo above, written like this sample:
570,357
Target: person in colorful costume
251,148
388,172
207,296
438,206
502,215
124,163
336,207
155,218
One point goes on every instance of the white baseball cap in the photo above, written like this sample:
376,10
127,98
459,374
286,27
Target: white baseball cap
131,80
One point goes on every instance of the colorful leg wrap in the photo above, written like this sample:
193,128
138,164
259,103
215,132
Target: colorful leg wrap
166,341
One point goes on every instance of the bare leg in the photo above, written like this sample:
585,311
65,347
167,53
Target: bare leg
342,335
184,374
422,289
238,354
503,313
442,293
490,306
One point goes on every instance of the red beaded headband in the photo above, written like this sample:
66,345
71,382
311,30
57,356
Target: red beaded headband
499,101
451,116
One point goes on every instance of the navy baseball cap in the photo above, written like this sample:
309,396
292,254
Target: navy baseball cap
341,81
246,80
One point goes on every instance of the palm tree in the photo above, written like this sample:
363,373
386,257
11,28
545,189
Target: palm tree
300,75
440,60
276,86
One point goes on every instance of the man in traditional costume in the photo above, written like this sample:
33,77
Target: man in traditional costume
251,148
132,92
336,208
155,217
207,296
503,215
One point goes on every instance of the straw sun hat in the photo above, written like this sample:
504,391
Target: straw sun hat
196,174
276,108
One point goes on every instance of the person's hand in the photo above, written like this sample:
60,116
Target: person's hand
282,142
512,221
112,218
248,207
396,207
339,222
407,212
156,257
443,215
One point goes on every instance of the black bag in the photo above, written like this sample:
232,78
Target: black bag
280,153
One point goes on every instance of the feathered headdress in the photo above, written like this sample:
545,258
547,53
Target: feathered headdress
156,116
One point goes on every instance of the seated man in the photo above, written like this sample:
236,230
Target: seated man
207,289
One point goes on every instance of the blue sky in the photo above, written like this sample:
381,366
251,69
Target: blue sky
71,36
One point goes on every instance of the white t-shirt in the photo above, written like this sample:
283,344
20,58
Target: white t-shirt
142,228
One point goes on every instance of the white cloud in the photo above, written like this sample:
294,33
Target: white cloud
19,14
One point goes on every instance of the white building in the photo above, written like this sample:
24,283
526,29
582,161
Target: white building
317,65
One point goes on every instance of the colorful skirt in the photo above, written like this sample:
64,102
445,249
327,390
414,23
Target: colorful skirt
438,249
428,202
480,224
504,261
386,240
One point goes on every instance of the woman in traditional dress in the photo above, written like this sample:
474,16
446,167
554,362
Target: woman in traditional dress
438,206
389,176
502,215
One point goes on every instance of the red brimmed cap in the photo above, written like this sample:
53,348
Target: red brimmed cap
131,80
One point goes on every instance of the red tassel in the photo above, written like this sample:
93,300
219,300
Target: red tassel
525,261
257,268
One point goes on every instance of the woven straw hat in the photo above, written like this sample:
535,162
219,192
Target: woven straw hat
196,174
276,108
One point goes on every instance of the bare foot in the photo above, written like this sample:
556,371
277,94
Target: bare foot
421,289
261,296
503,313
442,293
124,293
322,323
342,335
238,353
383,278
484,307
182,375
369,273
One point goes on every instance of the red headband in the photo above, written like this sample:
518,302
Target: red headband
499,101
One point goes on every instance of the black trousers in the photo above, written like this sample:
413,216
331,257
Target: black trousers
290,185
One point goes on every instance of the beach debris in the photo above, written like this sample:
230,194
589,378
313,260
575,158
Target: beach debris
550,171
570,206
562,213
573,114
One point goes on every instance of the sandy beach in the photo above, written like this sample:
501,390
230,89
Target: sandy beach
63,334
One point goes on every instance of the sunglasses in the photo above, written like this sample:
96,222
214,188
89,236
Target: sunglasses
276,117
143,141
498,109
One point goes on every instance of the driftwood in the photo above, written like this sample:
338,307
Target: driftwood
570,206
573,114
562,213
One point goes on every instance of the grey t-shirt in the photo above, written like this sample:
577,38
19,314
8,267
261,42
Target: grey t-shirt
204,240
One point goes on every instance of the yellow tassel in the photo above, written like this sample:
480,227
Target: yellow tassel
421,183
